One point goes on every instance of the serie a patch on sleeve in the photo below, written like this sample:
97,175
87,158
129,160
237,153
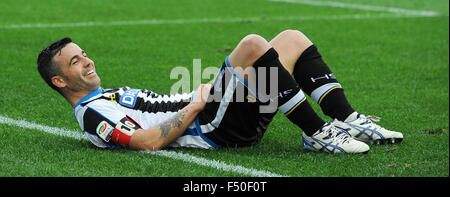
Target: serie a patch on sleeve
104,130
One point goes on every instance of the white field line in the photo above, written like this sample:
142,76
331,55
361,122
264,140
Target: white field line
47,129
215,164
363,7
170,154
205,20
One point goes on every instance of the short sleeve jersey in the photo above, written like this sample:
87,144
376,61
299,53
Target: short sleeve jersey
102,112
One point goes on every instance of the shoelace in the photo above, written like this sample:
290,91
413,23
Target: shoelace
371,119
337,135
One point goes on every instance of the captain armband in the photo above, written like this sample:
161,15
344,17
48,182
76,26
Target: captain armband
124,130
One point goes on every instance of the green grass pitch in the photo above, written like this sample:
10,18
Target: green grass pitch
392,64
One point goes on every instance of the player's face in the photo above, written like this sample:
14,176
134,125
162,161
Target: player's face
78,69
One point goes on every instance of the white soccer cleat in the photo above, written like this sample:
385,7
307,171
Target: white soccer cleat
333,140
364,129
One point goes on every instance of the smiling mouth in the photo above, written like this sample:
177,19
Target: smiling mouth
90,73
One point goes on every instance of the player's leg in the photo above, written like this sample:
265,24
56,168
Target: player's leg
290,44
290,98
254,51
301,58
249,49
318,81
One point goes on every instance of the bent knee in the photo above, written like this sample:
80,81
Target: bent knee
292,33
296,37
255,45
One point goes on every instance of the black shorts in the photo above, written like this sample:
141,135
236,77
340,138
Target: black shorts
232,118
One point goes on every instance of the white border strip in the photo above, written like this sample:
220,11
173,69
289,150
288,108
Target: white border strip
297,98
362,7
170,154
206,20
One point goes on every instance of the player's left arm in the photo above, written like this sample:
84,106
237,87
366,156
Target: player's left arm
157,137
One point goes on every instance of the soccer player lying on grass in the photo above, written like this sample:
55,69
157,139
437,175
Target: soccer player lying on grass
143,120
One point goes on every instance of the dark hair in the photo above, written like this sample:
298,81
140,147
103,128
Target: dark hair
45,64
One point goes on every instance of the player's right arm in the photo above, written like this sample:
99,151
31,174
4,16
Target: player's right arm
157,137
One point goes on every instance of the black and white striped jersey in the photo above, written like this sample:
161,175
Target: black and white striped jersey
110,116
103,111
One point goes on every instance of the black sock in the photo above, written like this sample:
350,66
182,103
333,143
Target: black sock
335,105
290,99
317,80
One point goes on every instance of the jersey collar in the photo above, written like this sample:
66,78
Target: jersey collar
90,95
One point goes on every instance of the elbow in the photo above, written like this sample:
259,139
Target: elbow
148,141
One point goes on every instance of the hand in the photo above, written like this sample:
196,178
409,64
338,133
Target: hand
201,96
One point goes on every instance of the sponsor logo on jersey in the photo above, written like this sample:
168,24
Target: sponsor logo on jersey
129,97
104,130
112,98
251,98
